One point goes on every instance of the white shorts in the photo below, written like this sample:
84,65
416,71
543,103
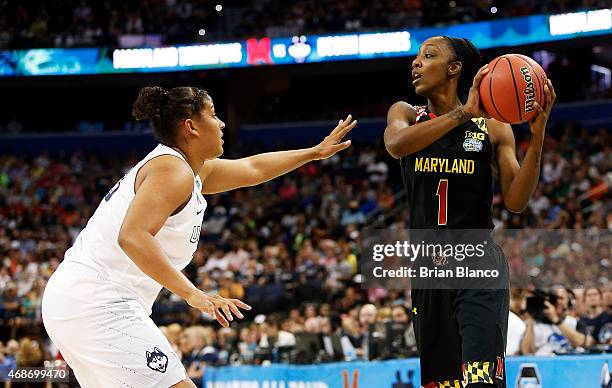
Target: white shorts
106,338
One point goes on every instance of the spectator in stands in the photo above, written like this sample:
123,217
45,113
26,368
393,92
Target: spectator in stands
216,261
197,350
557,334
367,314
295,321
229,288
399,314
353,215
173,334
312,326
579,306
516,326
330,341
608,300
596,324
272,336
350,337
7,363
226,343
30,355
12,308
247,343
367,320
12,347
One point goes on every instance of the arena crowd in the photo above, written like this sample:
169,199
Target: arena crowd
83,23
291,247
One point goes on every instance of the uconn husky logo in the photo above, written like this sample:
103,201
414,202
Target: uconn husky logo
157,360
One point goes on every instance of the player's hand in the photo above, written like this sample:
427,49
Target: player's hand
473,108
218,307
332,144
537,125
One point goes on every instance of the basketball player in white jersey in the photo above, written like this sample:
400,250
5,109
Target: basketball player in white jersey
96,306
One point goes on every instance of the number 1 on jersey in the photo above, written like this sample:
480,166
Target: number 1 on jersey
442,194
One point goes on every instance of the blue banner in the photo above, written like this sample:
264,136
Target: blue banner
521,372
301,49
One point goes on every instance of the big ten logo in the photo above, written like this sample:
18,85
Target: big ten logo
474,135
345,379
259,51
400,383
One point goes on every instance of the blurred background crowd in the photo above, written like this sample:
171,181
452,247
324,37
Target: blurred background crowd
290,248
81,23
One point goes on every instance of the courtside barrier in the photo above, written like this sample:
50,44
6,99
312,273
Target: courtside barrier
575,371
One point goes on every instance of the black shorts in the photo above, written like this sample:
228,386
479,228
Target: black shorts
461,334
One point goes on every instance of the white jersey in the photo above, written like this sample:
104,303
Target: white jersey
97,247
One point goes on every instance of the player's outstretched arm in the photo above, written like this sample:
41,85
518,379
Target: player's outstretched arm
404,137
221,175
164,184
519,182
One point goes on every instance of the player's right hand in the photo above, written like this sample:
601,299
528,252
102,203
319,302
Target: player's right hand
473,108
216,306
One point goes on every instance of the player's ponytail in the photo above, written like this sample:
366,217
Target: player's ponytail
469,56
167,108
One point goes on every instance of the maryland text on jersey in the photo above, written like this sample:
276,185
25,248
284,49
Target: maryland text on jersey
452,166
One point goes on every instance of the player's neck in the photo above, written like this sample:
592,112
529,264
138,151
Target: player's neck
442,103
194,162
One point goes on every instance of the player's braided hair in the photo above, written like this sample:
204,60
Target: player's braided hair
167,108
469,56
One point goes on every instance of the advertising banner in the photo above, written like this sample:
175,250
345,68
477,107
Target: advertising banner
583,371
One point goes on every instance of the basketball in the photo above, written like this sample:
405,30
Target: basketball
511,87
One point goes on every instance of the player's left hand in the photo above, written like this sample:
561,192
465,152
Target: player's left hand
226,306
216,306
537,125
332,144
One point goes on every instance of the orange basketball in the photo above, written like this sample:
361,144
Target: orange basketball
510,88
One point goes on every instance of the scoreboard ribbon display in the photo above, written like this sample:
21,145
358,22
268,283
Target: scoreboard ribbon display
267,51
